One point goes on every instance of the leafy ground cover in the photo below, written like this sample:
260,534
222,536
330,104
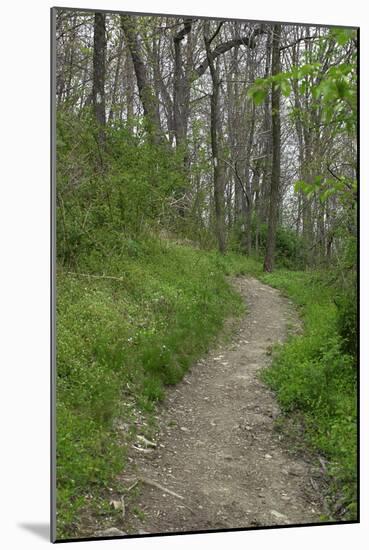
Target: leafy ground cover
314,376
129,328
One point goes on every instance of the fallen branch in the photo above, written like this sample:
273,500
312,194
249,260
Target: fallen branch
161,487
146,441
314,484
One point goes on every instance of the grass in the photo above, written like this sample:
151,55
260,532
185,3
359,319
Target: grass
120,342
313,376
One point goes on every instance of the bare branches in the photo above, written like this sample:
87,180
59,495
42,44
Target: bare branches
216,32
298,41
239,179
333,174
248,40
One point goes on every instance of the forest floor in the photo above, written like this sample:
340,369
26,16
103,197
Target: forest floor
218,460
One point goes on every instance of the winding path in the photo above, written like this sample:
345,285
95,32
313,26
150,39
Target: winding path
217,446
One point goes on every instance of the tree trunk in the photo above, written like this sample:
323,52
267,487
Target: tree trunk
147,97
249,184
276,155
116,79
218,167
307,221
266,141
181,88
98,87
130,90
215,131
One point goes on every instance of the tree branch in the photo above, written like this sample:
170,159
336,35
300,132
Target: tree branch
216,32
297,41
332,173
187,25
226,46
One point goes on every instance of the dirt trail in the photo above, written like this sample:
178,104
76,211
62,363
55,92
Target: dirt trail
217,447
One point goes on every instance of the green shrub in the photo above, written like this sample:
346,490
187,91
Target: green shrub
107,199
347,320
346,301
289,247
311,374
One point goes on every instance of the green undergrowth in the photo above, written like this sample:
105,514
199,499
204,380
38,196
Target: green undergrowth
126,329
132,323
313,375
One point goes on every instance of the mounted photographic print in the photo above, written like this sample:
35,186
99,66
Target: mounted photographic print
204,335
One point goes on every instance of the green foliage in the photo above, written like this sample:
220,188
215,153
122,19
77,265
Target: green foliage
347,320
289,249
105,196
333,98
289,246
342,36
334,90
136,308
337,94
344,278
312,374
259,90
235,264
323,187
120,342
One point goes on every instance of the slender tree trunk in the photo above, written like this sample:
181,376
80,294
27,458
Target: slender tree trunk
181,99
84,79
181,86
276,155
307,220
218,164
130,88
98,88
266,148
249,186
68,91
116,78
233,98
160,86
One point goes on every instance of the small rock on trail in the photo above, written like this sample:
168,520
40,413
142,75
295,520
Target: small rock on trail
217,446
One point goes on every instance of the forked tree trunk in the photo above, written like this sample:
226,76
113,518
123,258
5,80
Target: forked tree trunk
146,93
